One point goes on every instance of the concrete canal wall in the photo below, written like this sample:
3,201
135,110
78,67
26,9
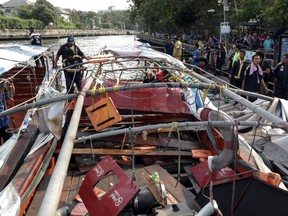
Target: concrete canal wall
14,34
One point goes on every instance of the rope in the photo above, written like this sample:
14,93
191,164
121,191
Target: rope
175,78
234,139
174,125
91,146
72,83
211,189
102,90
179,155
254,136
206,92
116,88
132,141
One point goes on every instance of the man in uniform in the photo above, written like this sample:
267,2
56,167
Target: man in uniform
36,40
238,69
177,50
71,56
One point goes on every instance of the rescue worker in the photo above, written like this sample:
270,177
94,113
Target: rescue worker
177,50
36,40
66,52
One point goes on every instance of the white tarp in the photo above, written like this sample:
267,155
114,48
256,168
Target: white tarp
9,201
50,117
12,54
144,52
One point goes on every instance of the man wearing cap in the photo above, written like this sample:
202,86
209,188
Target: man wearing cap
65,51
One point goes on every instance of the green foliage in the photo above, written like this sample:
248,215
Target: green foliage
66,25
277,12
25,12
42,10
17,23
185,15
116,19
106,25
171,15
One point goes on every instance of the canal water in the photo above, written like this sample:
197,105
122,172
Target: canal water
90,45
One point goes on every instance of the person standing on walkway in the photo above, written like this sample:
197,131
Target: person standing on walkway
266,68
36,40
177,50
237,72
236,55
169,46
268,44
281,78
253,78
196,54
221,57
70,52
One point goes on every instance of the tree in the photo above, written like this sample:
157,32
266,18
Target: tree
42,10
172,15
277,12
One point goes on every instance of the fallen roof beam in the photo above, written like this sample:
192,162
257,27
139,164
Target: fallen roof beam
263,113
198,125
129,152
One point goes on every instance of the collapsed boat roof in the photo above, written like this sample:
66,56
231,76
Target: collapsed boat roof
13,54
146,52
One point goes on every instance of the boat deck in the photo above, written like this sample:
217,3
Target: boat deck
176,192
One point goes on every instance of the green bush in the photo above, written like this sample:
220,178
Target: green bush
17,23
66,25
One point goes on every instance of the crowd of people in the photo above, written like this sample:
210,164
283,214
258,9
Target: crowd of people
256,74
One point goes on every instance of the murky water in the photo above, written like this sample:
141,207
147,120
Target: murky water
89,45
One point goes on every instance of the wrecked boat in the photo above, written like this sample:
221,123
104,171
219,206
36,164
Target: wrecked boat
32,136
146,136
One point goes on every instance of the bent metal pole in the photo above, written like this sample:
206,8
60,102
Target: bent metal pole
52,196
263,113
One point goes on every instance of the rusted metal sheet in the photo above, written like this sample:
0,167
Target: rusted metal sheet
167,100
13,163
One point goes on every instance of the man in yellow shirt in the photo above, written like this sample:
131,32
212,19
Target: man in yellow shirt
177,51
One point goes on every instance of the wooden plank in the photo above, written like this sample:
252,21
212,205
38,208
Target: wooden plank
191,178
38,197
84,163
73,189
177,190
176,194
127,152
156,141
65,190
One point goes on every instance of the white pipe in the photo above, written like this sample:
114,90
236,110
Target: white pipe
208,209
263,113
52,196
